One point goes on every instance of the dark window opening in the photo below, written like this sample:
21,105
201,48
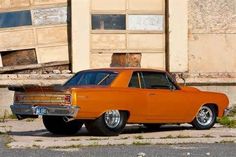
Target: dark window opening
15,19
108,22
19,57
134,82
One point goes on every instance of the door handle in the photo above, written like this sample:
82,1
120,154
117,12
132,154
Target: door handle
151,94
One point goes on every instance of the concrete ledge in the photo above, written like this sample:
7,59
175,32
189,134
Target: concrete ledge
36,79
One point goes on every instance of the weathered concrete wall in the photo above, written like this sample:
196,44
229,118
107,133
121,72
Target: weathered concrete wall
211,46
212,36
6,99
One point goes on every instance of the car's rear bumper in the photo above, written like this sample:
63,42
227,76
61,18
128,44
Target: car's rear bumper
49,110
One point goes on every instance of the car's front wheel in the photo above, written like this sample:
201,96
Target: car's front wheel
61,125
205,118
111,123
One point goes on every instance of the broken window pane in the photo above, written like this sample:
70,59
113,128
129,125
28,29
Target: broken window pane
14,19
108,22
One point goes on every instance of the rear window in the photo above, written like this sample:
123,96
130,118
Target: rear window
100,78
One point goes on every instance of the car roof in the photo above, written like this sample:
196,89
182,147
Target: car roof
125,69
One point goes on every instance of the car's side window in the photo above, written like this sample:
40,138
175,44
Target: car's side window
134,82
155,80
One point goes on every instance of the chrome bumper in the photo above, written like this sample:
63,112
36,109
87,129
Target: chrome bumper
30,110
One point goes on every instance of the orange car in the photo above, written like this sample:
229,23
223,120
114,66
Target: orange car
105,100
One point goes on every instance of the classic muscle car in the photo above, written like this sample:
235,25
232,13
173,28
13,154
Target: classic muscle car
105,100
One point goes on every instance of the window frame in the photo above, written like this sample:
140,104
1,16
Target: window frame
172,85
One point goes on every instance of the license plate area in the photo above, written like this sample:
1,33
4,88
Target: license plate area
41,111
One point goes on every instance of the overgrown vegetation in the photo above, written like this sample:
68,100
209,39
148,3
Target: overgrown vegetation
227,121
230,119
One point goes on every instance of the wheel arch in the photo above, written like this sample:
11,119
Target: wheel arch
214,105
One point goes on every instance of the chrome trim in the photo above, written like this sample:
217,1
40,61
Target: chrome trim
51,110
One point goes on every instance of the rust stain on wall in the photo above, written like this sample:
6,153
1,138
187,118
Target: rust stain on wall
126,60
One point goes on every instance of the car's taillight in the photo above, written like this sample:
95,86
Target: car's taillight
67,99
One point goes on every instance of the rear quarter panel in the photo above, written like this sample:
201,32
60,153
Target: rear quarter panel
94,102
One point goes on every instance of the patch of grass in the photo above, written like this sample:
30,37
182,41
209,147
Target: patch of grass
75,139
8,140
66,147
30,120
226,141
166,137
140,137
227,121
183,136
38,140
140,143
124,138
227,136
208,136
35,146
3,133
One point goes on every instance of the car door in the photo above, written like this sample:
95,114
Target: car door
166,102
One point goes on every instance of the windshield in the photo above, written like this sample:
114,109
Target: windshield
102,78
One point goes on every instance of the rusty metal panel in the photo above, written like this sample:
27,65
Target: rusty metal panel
50,16
146,22
19,57
126,60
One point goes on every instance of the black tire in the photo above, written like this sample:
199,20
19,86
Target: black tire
58,125
100,128
152,126
199,124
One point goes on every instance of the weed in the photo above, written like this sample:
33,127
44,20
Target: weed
124,138
38,140
166,137
226,121
208,136
140,137
140,143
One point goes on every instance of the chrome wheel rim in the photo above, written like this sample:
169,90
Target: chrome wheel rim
112,118
205,116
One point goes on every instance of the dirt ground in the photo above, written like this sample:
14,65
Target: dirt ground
32,134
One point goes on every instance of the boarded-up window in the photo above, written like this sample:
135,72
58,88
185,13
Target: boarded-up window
126,60
19,57
108,22
15,19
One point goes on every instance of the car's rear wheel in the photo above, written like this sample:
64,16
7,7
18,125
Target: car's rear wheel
61,125
205,118
111,123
